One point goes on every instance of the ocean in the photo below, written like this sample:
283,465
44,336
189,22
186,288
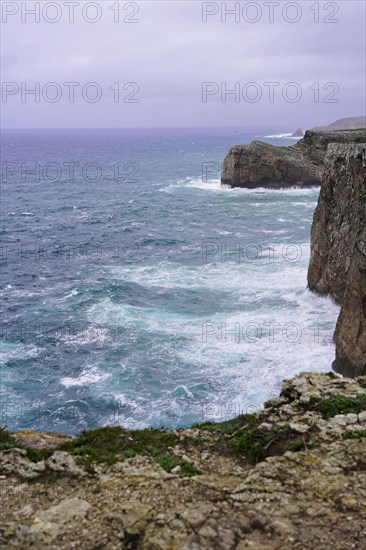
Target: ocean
137,291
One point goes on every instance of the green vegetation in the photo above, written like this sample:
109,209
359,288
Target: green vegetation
340,405
300,445
253,443
242,436
207,425
257,444
297,445
168,462
7,440
111,444
354,434
35,455
229,426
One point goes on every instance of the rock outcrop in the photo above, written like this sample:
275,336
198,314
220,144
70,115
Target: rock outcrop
291,476
262,165
338,251
298,133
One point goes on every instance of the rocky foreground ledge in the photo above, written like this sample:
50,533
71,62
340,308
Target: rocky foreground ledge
292,476
260,164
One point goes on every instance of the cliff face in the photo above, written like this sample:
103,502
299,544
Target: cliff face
338,251
262,165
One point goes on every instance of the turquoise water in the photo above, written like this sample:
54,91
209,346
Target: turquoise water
149,295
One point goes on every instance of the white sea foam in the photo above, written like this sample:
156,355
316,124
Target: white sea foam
279,136
73,292
93,334
196,352
16,350
214,185
89,375
234,358
283,265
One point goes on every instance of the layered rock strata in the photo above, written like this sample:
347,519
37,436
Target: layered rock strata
338,251
262,165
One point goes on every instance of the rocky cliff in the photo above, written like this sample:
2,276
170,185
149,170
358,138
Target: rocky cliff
338,251
292,476
262,165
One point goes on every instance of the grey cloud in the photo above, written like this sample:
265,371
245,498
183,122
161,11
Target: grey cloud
170,52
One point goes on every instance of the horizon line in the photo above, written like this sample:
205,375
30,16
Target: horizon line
151,127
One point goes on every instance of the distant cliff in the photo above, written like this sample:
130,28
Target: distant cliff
338,251
345,124
262,165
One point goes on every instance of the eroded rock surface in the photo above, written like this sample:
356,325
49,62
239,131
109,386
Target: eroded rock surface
338,251
309,492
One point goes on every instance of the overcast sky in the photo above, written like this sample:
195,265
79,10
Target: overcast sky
169,52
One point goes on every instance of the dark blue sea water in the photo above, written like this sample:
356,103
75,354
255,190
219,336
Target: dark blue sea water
137,291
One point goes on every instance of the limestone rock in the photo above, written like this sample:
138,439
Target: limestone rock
54,519
338,251
309,491
41,440
60,461
262,165
15,462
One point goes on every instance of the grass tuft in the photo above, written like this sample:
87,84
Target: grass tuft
354,434
341,405
7,440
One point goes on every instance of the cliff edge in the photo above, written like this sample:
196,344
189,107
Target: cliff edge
291,476
262,165
338,251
